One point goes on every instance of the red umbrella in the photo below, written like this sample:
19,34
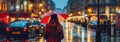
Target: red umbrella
47,17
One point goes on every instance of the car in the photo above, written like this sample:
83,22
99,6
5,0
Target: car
18,30
37,27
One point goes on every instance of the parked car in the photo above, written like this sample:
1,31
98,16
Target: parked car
37,27
18,30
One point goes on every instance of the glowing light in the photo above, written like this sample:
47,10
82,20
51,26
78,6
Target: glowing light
79,12
31,5
40,4
25,2
42,9
17,7
7,16
70,14
89,10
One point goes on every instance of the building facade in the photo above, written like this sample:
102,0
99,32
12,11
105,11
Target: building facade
75,7
107,9
25,9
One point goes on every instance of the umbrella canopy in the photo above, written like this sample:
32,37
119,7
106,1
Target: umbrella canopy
94,22
47,17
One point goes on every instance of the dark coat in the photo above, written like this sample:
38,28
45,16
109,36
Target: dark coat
53,33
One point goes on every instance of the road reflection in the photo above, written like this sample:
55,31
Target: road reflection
75,33
72,33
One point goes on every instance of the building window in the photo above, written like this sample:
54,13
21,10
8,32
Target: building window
12,7
21,8
112,9
102,1
94,1
102,9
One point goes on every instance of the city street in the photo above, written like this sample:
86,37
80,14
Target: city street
75,33
38,20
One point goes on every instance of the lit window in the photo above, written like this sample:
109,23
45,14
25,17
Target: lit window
25,2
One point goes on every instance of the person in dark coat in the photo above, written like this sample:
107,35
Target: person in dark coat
53,32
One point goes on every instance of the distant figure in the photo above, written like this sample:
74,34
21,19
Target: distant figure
53,32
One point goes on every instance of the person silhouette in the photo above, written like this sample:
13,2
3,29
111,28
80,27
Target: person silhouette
53,31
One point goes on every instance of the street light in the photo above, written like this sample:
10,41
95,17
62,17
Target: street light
79,12
42,9
40,4
89,10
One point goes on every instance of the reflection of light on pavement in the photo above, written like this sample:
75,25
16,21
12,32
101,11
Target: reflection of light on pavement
70,36
66,35
67,24
78,33
41,40
89,37
83,35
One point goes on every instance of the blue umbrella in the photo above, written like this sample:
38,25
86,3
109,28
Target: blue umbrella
94,22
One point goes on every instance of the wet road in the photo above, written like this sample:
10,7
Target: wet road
76,33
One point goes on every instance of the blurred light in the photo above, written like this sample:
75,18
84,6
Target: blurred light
89,10
39,12
7,16
30,5
25,29
70,14
89,36
7,29
119,11
0,7
50,11
17,7
25,2
42,9
79,12
40,4
83,34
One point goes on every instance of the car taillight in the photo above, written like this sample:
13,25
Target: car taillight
25,29
7,40
7,29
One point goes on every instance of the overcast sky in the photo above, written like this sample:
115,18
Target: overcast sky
60,3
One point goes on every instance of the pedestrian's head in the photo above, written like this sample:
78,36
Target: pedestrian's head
54,16
54,19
